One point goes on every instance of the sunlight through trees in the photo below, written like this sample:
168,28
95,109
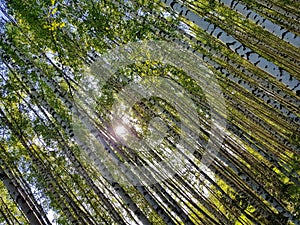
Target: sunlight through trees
83,145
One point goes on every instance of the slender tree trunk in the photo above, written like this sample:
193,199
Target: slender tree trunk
19,197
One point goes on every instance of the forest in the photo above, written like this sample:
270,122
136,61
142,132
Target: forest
149,112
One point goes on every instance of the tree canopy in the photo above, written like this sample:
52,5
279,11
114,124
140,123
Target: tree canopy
97,98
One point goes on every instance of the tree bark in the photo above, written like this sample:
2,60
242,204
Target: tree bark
19,197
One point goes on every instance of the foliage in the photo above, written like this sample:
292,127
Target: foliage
46,50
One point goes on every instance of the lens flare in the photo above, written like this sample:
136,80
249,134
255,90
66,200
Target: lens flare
121,131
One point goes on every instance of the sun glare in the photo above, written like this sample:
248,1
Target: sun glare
121,131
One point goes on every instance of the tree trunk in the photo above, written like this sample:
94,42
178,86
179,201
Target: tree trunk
19,197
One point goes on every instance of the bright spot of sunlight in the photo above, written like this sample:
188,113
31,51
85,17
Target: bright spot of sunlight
121,131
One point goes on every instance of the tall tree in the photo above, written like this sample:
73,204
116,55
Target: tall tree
49,53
